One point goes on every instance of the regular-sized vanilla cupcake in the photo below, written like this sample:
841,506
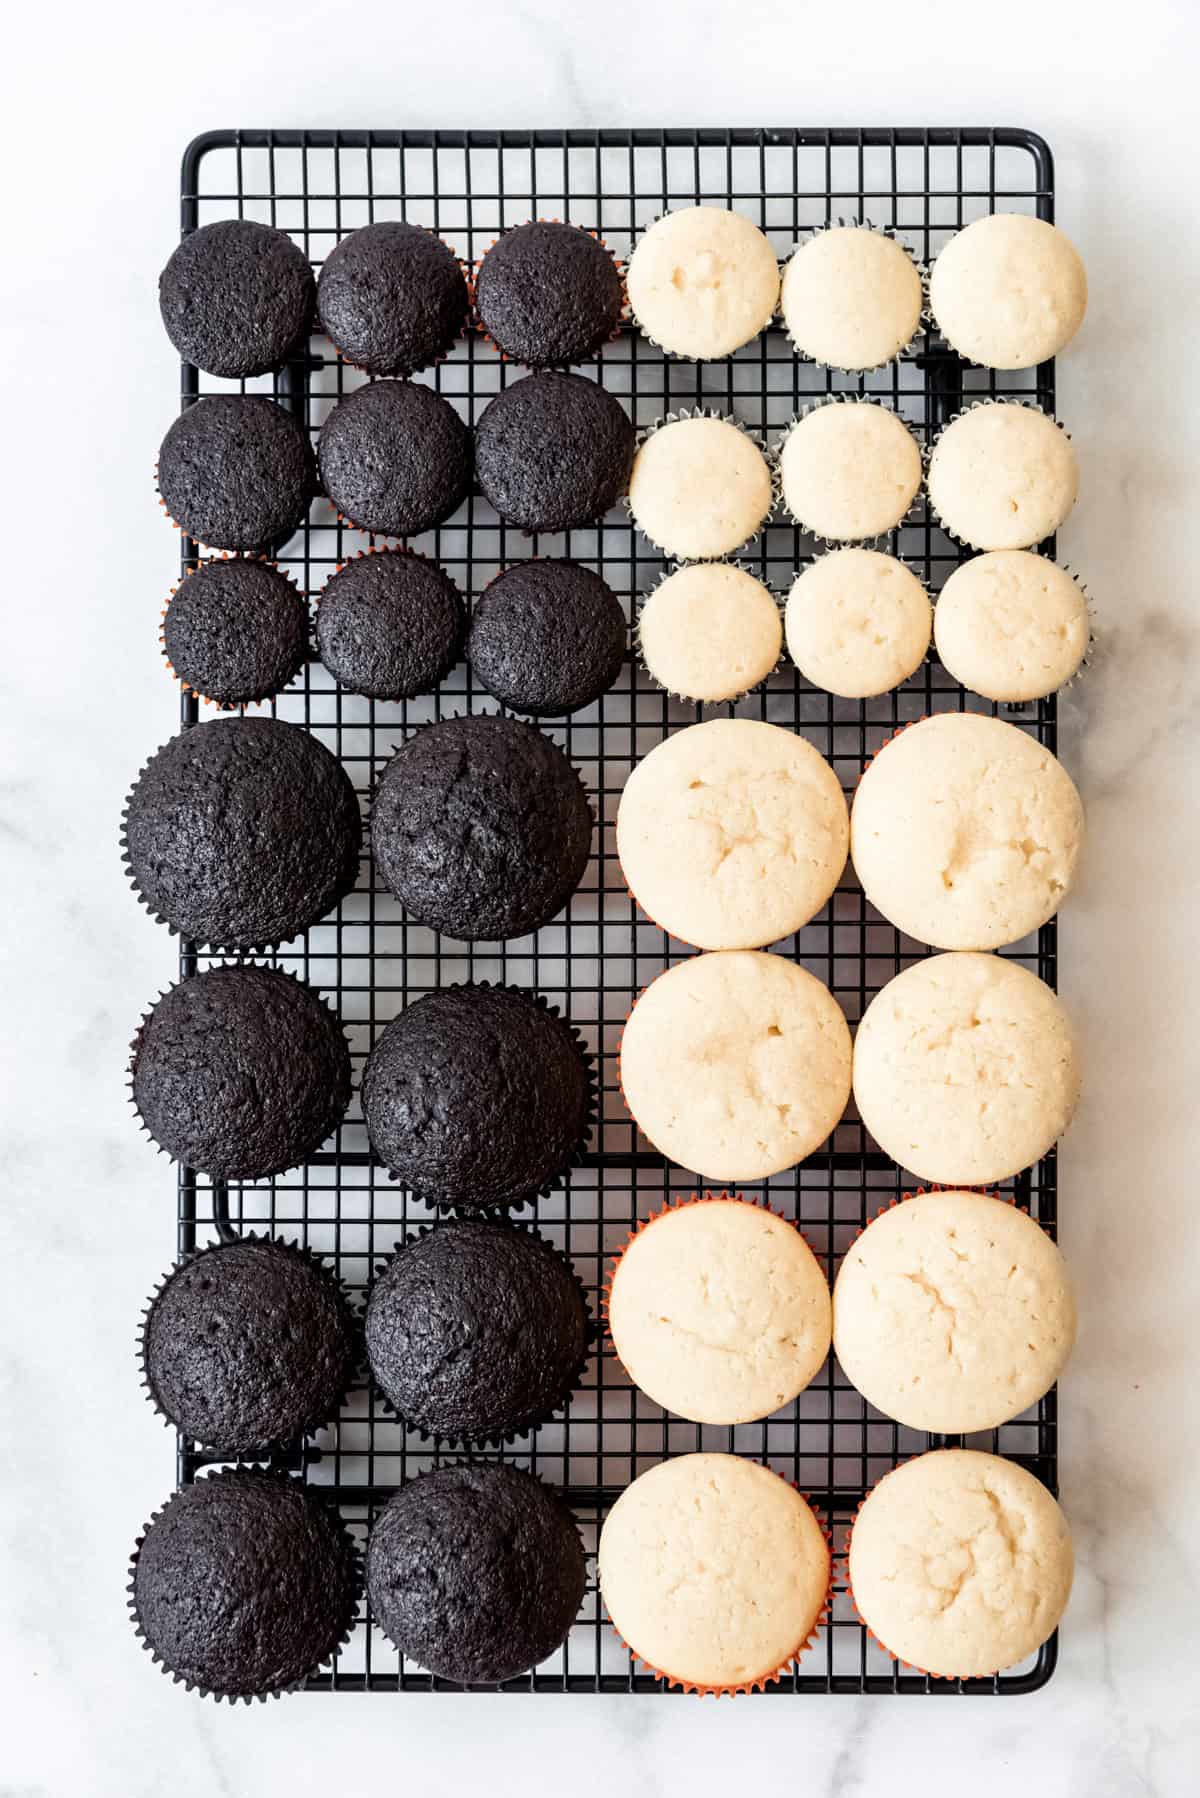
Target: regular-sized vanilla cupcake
700,486
849,470
1012,626
1002,476
1008,291
857,622
710,631
851,297
953,1312
702,282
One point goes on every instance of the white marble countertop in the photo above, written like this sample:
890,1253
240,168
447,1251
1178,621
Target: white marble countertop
100,102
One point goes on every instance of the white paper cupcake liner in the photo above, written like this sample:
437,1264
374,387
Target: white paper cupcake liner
924,316
760,444
881,538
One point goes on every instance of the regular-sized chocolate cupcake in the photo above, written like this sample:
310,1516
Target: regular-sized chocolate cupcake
390,624
392,298
240,1072
243,1584
235,471
481,828
477,1096
242,833
248,1345
395,458
476,1572
547,637
476,1331
548,293
553,451
236,298
235,631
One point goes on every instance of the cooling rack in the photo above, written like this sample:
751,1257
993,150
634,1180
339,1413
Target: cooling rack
371,960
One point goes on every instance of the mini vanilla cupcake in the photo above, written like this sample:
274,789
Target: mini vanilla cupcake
857,623
710,632
1002,476
1008,291
849,469
700,487
715,1572
1012,625
851,298
702,282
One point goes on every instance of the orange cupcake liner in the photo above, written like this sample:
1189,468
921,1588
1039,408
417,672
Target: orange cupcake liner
223,555
623,316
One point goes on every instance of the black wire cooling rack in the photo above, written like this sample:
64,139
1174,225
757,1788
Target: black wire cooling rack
372,961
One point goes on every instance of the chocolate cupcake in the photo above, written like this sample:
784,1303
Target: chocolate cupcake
547,637
553,451
477,1096
240,1072
241,833
395,458
476,1331
248,1345
481,828
390,624
547,293
235,471
235,631
243,1584
236,298
392,298
475,1572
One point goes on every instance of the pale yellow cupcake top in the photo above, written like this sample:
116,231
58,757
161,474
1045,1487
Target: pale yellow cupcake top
966,1069
736,1064
1008,291
714,1570
953,1312
857,622
710,631
702,282
961,1563
732,833
1002,476
719,1311
849,470
700,487
1011,625
851,297
965,832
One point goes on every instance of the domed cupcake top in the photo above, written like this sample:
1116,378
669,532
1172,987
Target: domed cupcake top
395,458
390,624
547,637
553,451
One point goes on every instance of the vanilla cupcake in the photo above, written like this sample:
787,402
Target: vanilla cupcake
851,298
1012,625
710,632
700,487
702,282
1009,291
857,623
849,470
1002,476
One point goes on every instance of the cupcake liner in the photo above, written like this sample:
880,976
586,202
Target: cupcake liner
298,1251
928,454
356,1583
881,538
469,1445
1095,637
924,316
680,355
760,444
623,316
136,1043
318,329
227,705
642,601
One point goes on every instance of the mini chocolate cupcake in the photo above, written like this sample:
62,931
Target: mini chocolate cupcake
395,458
390,624
243,1584
240,1072
235,631
476,1331
547,293
547,637
235,471
236,298
242,832
481,828
553,451
248,1345
476,1572
477,1096
392,298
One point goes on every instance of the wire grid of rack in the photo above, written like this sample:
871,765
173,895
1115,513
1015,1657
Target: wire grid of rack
372,961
